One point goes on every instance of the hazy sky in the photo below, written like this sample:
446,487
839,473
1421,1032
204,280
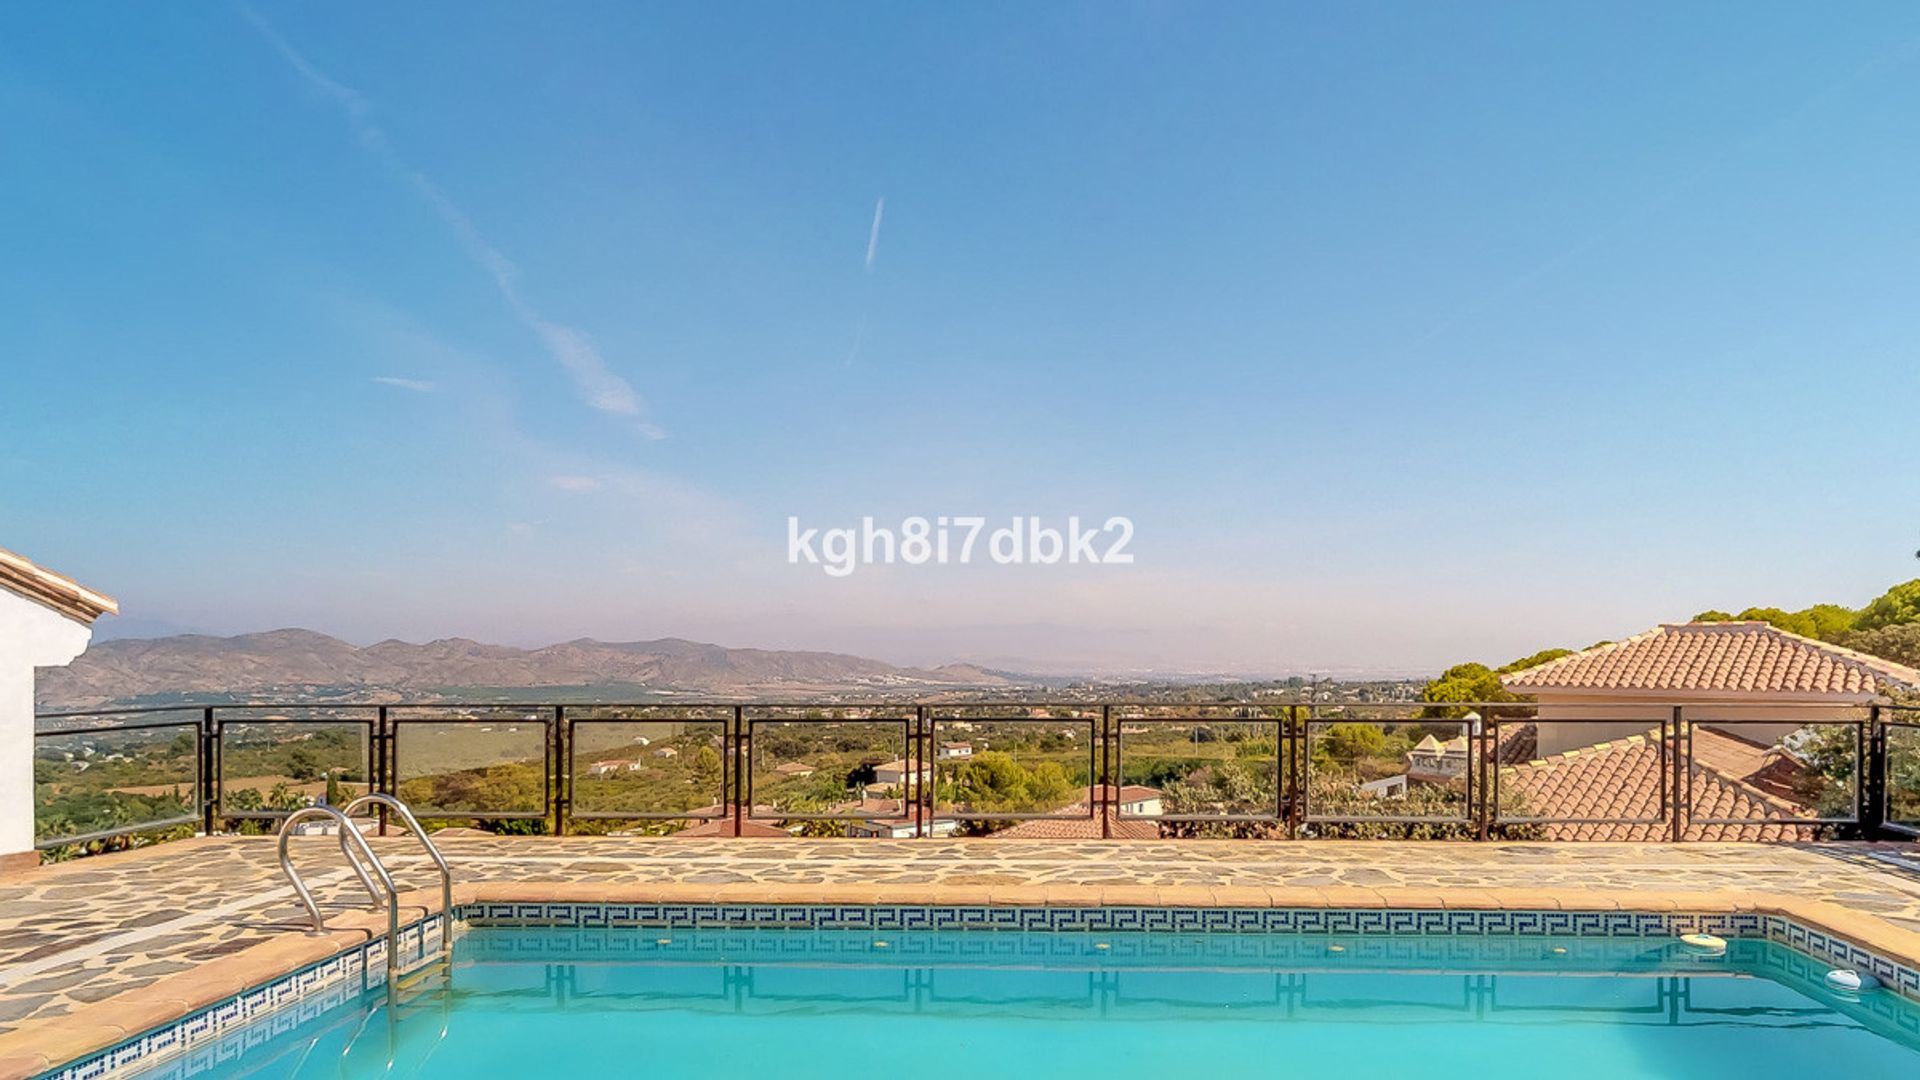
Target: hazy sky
1404,333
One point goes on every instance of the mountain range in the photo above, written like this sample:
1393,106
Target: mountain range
302,664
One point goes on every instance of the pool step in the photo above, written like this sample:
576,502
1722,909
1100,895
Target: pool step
435,974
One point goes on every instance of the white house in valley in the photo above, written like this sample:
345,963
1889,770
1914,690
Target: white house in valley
1436,762
894,773
46,620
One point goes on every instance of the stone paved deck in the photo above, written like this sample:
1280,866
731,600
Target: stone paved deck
88,931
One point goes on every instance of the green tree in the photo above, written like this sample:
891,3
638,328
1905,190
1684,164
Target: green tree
1895,607
1541,657
302,765
1822,622
705,768
1899,643
1348,743
1465,683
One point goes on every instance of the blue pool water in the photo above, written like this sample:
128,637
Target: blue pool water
719,1004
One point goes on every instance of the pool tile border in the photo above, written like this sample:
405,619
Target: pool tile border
288,1000
1116,920
313,987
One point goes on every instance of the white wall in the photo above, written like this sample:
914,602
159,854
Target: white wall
31,635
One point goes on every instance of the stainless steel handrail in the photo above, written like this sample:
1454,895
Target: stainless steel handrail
349,834
433,851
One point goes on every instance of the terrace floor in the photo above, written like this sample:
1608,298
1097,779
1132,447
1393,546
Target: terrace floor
87,931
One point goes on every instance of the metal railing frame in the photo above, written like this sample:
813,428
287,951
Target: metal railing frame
1295,725
388,802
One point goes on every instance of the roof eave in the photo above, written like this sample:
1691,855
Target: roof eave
1657,696
61,594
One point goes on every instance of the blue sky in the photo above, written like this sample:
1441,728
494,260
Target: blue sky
1404,333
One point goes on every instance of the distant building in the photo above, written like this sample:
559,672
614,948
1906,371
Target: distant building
1436,762
953,751
890,819
794,769
718,820
1387,787
666,752
894,773
611,766
1134,800
1124,810
900,828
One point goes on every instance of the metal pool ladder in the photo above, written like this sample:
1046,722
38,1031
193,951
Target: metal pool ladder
354,848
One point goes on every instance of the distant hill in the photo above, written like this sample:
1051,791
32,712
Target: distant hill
302,664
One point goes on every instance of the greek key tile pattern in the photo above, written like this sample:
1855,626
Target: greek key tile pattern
194,1042
278,1006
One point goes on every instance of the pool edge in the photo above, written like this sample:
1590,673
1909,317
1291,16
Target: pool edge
142,1026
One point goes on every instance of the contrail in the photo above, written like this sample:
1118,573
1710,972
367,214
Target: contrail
873,249
873,235
568,346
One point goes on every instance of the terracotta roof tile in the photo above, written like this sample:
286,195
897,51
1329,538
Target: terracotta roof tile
1623,780
1082,828
1737,657
724,827
22,575
1516,743
717,820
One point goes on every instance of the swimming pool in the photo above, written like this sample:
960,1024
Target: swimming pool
723,1003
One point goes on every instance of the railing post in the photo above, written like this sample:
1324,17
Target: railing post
1107,782
1680,775
1481,745
378,782
742,761
1871,789
922,801
1293,741
209,779
557,778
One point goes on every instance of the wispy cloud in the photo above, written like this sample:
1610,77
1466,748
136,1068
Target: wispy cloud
873,252
873,234
418,386
575,484
573,349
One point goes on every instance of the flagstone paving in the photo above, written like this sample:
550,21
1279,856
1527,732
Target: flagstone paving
85,931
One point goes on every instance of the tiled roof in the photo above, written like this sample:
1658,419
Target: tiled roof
724,827
1082,828
1622,779
1516,743
1733,657
870,808
22,575
715,819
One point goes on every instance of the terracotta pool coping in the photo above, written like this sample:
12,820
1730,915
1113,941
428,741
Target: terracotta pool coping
44,1043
